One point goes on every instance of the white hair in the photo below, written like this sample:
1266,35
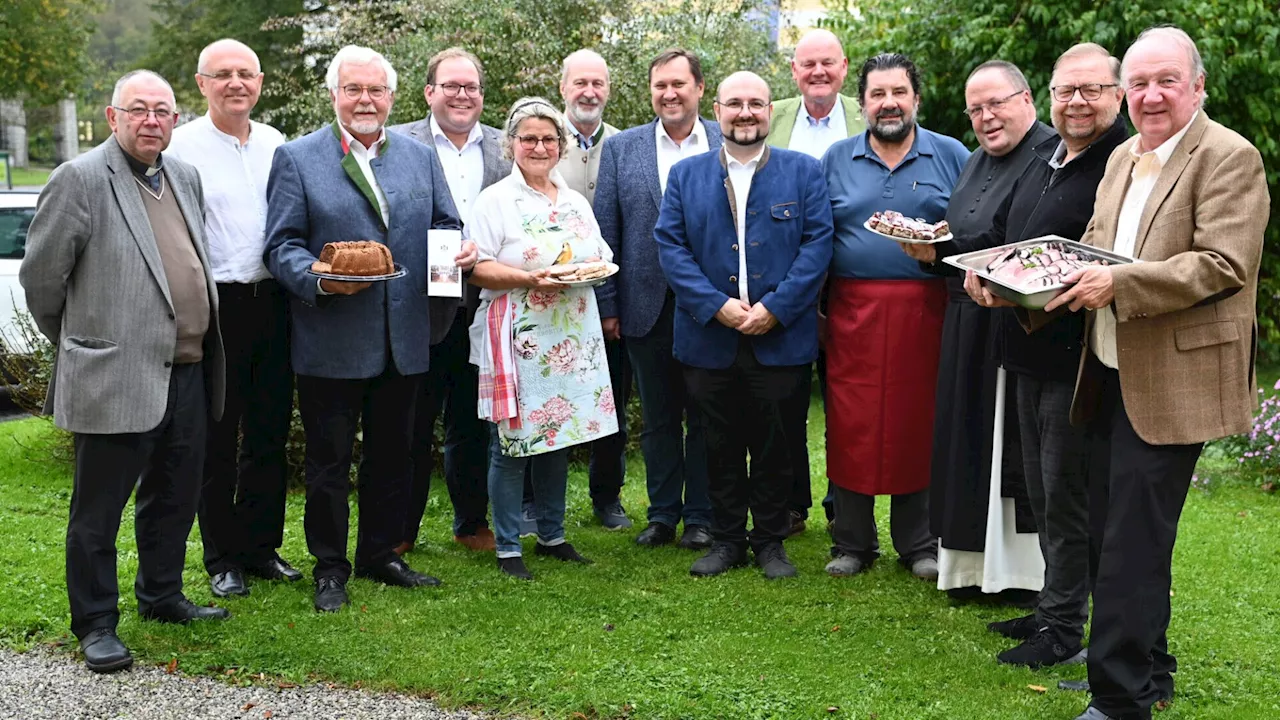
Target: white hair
533,108
578,55
117,94
357,55
1179,36
225,42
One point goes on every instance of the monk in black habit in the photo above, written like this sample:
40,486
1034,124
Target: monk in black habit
988,538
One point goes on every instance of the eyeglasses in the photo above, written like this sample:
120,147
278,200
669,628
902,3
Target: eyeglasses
376,92
994,106
452,89
1088,91
139,114
529,142
735,106
226,75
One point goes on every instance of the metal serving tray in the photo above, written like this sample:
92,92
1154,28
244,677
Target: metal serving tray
1036,299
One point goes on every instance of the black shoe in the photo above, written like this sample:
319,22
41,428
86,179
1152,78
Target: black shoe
227,583
183,611
514,566
696,537
656,534
772,558
103,651
797,523
564,551
398,573
1042,650
331,594
1019,628
274,569
719,559
612,516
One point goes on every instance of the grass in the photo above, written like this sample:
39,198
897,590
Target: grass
28,176
634,636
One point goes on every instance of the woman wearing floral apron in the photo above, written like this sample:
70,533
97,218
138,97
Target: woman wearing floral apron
544,379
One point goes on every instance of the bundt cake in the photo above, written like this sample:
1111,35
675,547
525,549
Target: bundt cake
362,258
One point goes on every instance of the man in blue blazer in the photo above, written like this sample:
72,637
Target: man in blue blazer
746,265
636,303
359,349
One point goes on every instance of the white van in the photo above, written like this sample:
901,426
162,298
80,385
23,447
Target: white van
16,210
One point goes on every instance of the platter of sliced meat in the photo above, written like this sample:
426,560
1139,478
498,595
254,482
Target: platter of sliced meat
1031,273
898,227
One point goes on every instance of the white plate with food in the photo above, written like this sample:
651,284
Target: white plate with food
399,273
895,226
584,273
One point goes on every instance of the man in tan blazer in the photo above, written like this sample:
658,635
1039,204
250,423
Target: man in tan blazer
1168,363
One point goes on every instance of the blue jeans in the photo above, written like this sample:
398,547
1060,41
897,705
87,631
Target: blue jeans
549,473
675,463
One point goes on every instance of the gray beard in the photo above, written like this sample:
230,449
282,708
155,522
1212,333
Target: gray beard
892,136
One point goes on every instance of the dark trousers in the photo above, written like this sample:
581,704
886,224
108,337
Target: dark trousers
164,464
245,470
854,532
801,482
749,407
675,459
1136,495
331,410
452,385
1055,460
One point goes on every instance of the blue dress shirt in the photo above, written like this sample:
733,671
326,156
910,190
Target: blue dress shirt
861,184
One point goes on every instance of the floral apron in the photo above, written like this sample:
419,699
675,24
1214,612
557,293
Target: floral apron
566,397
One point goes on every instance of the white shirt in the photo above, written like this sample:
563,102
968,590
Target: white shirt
740,174
1146,171
812,136
464,169
234,177
670,152
363,157
504,212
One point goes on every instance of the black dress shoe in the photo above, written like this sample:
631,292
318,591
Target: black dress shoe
183,611
103,651
331,594
227,583
696,537
274,569
656,534
719,559
564,551
1019,628
773,560
514,566
398,573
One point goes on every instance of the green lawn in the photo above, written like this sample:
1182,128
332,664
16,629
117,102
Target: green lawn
634,636
28,176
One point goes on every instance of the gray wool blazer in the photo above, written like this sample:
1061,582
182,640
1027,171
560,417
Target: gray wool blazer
496,167
96,288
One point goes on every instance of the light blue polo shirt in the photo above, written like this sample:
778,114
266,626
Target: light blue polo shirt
861,184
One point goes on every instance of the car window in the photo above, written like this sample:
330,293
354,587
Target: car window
13,231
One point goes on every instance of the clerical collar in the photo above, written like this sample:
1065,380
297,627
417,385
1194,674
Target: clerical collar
148,174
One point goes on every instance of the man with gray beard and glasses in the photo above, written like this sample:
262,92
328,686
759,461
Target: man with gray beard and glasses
883,329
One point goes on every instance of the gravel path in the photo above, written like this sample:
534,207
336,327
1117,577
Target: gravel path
44,684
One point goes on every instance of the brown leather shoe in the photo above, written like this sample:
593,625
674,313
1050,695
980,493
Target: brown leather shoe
403,548
483,540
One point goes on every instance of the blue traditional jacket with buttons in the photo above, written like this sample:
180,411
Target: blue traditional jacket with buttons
788,248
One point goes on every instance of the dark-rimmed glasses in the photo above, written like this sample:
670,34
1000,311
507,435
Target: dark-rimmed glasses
1088,91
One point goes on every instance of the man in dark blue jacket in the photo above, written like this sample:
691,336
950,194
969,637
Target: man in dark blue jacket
746,267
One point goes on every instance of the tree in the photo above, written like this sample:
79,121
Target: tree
1239,42
43,47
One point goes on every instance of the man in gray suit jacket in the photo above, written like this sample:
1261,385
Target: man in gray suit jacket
117,279
637,303
359,349
471,156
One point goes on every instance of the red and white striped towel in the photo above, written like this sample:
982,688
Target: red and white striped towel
499,391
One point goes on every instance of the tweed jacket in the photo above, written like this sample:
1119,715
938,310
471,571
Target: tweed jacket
96,288
496,167
317,195
628,197
786,110
1186,331
788,235
580,168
